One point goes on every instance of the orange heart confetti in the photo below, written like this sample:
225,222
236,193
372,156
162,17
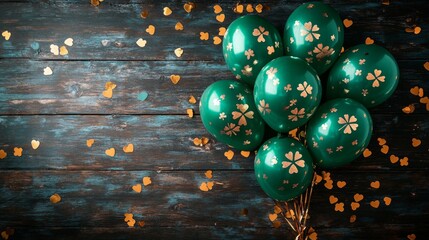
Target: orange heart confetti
426,66
220,17
326,175
352,218
387,201
178,26
411,236
150,29
63,51
47,71
178,52
55,198
375,204
381,141
245,153
425,100
95,3
204,187
312,235
188,7
190,112
110,152
217,9
55,49
216,40
137,188
35,144
417,91
144,14
141,42
416,142
128,148
318,178
375,184
109,85
333,199
393,158
192,100
354,206
141,223
369,41
239,8
384,149
89,142
200,141
367,153
339,207
6,34
277,224
403,161
204,36
7,233
229,154
341,184
272,217
347,22
329,184
277,210
3,154
167,11
259,8
385,2
129,219
358,197
17,151
68,42
174,78
108,93
417,30
408,109
147,181
249,8
209,174
222,31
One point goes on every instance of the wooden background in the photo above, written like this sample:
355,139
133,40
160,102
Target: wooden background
65,109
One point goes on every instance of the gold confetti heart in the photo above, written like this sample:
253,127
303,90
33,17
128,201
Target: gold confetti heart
204,187
89,142
312,235
238,8
272,217
222,31
216,40
68,42
403,161
55,49
229,154
209,174
277,210
147,181
385,2
137,188
425,100
341,184
129,219
188,7
339,207
128,148
417,91
178,52
333,199
210,185
108,93
47,71
417,30
354,206
190,112
352,218
384,149
245,153
426,66
358,197
6,34
411,236
17,151
318,178
141,42
63,51
220,17
259,8
393,158
416,142
174,78
178,26
249,8
167,11
55,198
150,29
347,22
375,203
375,184
144,14
387,201
369,41
329,184
204,36
141,223
200,141
367,153
110,152
95,3
217,9
35,144
192,100
3,154
408,109
381,141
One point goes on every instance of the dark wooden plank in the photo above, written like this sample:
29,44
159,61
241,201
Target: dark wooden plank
76,87
165,143
35,26
94,199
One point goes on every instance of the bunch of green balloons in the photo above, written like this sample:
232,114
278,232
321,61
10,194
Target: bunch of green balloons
279,86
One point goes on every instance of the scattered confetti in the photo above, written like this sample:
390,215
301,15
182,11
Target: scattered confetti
89,142
416,142
249,8
137,188
209,174
245,153
403,161
352,218
150,29
417,30
272,217
188,7
229,154
128,148
238,8
192,100
204,36
312,235
259,8
178,52
220,17
178,26
6,34
200,141
333,199
55,49
425,100
147,181
318,178
63,51
110,152
358,197
68,42
393,158
387,201
417,91
35,144
277,209
369,41
329,184
381,141
3,154
217,9
408,109
129,219
367,153
384,149
216,40
411,236
190,112
375,203
167,11
347,22
385,2
354,206
144,14
206,186
141,223
8,232
222,31
17,151
339,207
47,71
95,3
426,66
108,93
375,184
142,95
141,42
55,198
341,184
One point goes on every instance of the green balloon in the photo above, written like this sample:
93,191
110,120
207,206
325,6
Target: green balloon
229,113
287,92
338,132
314,32
249,43
283,168
366,73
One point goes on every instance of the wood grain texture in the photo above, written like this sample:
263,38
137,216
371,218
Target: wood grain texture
67,108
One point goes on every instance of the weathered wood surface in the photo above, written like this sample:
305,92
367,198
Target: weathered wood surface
67,108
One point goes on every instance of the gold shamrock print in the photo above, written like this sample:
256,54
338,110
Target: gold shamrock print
249,53
296,114
294,161
260,32
264,107
242,114
305,88
231,129
271,72
247,71
349,123
322,51
310,32
376,78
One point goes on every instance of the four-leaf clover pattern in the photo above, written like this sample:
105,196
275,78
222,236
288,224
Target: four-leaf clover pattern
294,160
